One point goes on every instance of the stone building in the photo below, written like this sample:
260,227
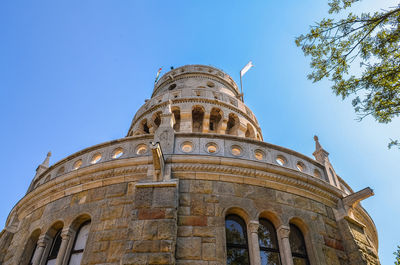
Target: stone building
191,183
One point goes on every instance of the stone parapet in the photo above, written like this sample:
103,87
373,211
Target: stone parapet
118,151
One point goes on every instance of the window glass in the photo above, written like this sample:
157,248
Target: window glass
79,244
35,250
236,241
55,247
269,258
299,261
51,262
268,242
76,259
298,246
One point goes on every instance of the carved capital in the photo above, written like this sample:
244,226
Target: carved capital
253,226
43,240
66,233
283,231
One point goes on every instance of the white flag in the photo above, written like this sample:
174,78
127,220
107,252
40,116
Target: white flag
246,68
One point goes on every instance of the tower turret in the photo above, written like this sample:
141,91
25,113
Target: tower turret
203,99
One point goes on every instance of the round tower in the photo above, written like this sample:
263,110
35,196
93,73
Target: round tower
204,100
191,183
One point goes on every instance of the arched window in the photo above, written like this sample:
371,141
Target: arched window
215,119
144,128
232,125
250,132
30,249
298,246
79,244
177,116
55,247
236,241
269,249
157,119
197,119
33,254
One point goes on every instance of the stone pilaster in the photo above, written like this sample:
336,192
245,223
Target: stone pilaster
186,119
153,229
165,133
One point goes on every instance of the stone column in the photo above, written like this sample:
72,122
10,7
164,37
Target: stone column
222,127
186,118
254,247
284,248
206,123
241,130
41,245
65,235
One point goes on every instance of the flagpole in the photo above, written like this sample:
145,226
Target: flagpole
241,85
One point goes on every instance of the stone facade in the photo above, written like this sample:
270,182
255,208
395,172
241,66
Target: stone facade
193,155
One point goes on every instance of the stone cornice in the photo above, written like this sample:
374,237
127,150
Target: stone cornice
130,142
185,70
103,174
198,76
94,147
267,175
224,169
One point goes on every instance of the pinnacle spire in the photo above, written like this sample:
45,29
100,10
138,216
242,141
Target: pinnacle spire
47,160
317,144
44,165
320,153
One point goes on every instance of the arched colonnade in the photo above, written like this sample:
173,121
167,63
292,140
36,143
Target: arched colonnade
201,119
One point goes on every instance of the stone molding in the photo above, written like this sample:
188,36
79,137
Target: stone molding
130,142
171,183
111,173
72,183
315,187
195,70
260,173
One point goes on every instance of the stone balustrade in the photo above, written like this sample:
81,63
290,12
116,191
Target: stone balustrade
188,144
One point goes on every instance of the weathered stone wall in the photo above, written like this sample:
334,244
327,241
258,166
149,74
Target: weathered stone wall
153,226
358,246
110,209
204,204
201,226
183,222
5,240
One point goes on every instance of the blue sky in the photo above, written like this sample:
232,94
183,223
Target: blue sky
73,74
